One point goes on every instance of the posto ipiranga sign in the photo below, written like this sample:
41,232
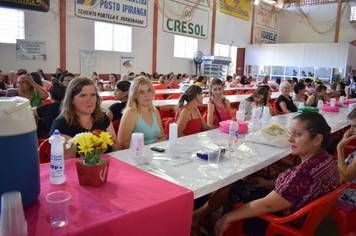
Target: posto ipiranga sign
127,12
195,25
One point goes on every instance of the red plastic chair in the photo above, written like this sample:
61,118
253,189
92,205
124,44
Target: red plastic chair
250,91
116,124
275,90
166,114
44,152
174,96
40,141
316,212
276,109
345,220
205,117
109,98
158,97
239,92
47,101
166,126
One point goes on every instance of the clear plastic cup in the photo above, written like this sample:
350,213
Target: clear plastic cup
12,215
213,158
240,115
58,206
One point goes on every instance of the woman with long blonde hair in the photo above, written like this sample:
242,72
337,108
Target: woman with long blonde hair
140,116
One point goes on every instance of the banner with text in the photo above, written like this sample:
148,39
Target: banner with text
196,24
89,62
237,8
32,5
127,12
265,36
128,64
265,16
203,3
30,50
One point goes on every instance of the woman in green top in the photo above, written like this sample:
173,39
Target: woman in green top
27,86
140,116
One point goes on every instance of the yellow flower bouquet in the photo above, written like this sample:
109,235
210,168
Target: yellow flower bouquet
92,145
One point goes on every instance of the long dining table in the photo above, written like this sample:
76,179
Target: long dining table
131,202
171,103
180,164
178,91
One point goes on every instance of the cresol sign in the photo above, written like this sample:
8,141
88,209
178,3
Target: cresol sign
195,24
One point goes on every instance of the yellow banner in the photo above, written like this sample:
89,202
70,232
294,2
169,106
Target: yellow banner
237,8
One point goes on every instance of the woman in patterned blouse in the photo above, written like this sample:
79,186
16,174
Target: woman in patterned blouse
295,188
347,167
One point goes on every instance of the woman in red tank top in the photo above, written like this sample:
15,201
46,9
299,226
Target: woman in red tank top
188,117
219,108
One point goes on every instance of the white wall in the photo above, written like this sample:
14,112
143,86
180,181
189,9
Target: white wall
229,28
80,35
38,26
294,29
328,55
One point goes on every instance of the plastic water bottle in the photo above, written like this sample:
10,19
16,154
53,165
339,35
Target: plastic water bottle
233,135
57,171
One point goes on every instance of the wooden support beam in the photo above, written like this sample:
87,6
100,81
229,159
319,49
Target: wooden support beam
338,19
62,34
213,29
154,40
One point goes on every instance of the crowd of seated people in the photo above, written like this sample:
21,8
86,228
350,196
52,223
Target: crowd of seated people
76,107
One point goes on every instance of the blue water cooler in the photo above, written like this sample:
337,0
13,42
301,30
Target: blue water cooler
19,163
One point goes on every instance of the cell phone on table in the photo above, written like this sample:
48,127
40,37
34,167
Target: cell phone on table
157,149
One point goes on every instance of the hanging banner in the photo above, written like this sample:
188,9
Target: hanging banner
265,36
89,62
265,16
195,25
127,12
203,3
237,8
128,64
30,50
32,5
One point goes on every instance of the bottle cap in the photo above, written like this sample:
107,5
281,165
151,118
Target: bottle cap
234,119
56,132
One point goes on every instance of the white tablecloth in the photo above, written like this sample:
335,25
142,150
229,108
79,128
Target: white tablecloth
179,164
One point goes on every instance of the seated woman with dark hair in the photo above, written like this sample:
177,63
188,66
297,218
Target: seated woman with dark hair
258,98
122,95
320,94
81,112
188,117
284,101
299,90
174,83
293,189
200,81
50,112
30,87
112,82
347,167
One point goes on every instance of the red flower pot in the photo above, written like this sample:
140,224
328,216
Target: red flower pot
93,176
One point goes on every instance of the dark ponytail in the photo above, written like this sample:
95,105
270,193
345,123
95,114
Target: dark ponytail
189,94
57,90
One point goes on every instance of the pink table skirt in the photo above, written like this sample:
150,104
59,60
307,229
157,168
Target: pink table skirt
131,202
